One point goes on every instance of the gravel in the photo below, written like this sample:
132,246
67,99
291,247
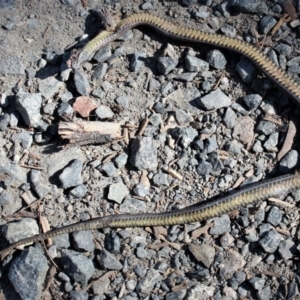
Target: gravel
196,122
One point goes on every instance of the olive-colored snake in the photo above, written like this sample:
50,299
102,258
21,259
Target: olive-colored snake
248,195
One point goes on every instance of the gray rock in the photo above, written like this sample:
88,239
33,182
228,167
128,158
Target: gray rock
99,71
229,118
221,225
274,216
284,49
137,60
206,86
254,6
264,294
79,191
141,190
182,117
246,69
108,169
198,144
102,55
28,272
203,168
165,89
153,85
143,153
294,69
272,141
67,2
25,138
266,127
186,135
287,249
124,37
166,64
65,109
252,101
146,6
81,82
234,148
203,253
189,2
214,100
29,106
71,175
216,59
121,160
270,241
16,231
83,240
7,4
267,23
155,119
62,241
40,188
179,295
203,12
148,282
200,291
104,112
294,61
199,274
160,179
289,161
78,295
11,64
108,261
117,192
49,87
122,101
4,121
186,77
257,283
49,108
112,242
273,56
77,266
11,174
132,205
240,276
224,9
210,144
228,30
194,64
5,198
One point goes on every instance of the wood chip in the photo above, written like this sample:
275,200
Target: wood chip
45,227
286,18
274,119
283,203
201,231
143,126
283,231
175,174
288,142
240,180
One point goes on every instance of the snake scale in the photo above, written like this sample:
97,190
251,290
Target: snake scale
249,195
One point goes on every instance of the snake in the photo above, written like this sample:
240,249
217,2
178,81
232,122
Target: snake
248,195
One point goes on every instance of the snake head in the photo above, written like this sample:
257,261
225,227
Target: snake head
109,20
77,58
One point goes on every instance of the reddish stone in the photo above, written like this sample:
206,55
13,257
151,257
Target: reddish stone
84,105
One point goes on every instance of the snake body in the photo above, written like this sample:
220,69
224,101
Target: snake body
246,196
